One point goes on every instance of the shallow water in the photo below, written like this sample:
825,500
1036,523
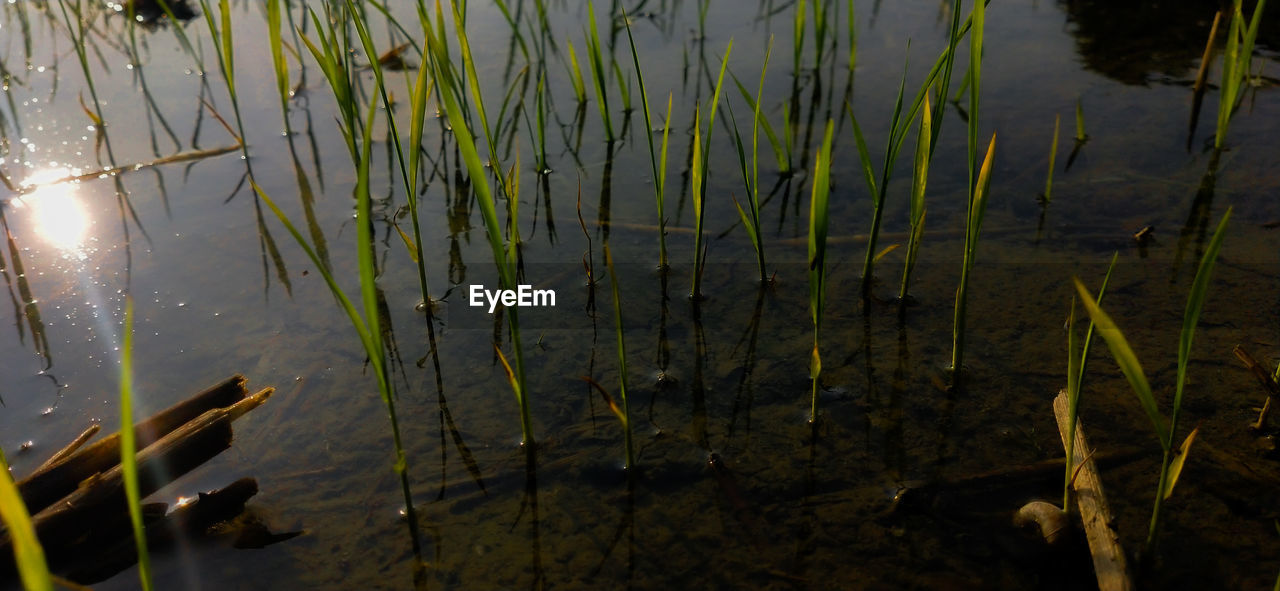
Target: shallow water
220,287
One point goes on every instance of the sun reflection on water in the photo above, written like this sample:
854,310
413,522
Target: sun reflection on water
57,210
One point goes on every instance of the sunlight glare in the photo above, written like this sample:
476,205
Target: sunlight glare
60,217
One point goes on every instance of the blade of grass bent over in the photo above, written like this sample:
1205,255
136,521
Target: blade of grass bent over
1126,359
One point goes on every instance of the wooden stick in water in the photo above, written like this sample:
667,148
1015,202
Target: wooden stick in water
48,484
71,448
1104,542
1208,53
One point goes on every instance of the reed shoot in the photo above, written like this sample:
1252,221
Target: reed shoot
575,75
1236,65
278,64
658,164
1173,458
818,223
1047,196
919,180
598,79
129,448
622,358
442,71
977,187
1076,366
751,172
699,172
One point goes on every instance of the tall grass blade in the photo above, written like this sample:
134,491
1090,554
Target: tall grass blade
1053,155
1076,366
28,555
1191,316
598,79
622,357
575,74
446,79
919,181
1236,65
818,226
278,64
659,166
701,156
973,227
129,448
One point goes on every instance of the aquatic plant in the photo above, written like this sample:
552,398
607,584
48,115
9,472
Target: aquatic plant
129,448
818,223
1235,65
575,75
657,159
451,90
224,49
919,180
596,60
781,148
978,188
698,174
28,555
625,415
1173,458
1077,364
751,174
1047,196
278,65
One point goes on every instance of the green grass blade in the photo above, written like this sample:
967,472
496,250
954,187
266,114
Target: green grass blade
445,79
1073,405
818,226
1191,317
659,171
357,322
28,555
598,79
779,150
575,74
1053,155
622,357
1127,361
129,448
864,155
278,64
919,181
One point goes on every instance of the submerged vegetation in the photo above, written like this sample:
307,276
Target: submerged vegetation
451,157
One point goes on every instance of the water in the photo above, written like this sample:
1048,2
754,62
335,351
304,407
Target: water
220,288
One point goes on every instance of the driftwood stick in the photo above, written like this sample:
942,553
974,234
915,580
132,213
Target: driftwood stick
71,448
46,485
1104,542
1198,87
102,496
97,562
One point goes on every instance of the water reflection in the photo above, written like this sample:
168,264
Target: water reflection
57,211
